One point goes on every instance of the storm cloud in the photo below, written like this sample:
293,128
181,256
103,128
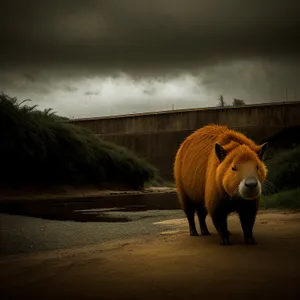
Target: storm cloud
118,33
98,57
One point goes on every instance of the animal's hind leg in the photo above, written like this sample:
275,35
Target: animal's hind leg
202,213
189,209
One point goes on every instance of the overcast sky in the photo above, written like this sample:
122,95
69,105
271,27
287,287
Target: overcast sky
93,58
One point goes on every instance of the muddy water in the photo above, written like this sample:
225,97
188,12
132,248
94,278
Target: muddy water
102,209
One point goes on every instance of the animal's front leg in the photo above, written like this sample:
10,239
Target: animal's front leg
247,217
219,219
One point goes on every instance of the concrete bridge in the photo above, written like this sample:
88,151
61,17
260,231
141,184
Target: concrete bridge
157,136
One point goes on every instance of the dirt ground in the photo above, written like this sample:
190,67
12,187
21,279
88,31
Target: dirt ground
172,265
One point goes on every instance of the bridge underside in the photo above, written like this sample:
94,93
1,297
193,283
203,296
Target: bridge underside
157,136
160,148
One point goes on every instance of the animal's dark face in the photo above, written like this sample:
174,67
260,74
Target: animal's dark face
242,173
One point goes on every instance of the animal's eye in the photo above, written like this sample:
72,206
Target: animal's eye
233,169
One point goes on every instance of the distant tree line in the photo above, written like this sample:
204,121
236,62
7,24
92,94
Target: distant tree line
235,102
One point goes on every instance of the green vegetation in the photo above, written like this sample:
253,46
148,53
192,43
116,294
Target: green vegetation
238,102
39,147
284,168
289,199
159,182
221,102
284,174
235,102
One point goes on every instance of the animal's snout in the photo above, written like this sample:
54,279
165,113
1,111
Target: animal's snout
251,182
250,188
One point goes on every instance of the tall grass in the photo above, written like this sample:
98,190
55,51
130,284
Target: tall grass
40,147
288,199
282,189
284,169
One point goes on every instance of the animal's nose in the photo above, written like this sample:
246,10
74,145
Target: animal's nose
251,182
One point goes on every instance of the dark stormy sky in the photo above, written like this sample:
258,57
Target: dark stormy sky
92,58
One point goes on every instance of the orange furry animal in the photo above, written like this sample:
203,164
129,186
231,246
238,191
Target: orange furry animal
219,171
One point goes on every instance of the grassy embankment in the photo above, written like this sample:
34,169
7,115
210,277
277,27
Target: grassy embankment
284,174
41,148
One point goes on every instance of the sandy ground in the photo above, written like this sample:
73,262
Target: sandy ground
171,265
23,234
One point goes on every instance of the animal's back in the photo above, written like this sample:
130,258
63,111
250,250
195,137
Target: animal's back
191,162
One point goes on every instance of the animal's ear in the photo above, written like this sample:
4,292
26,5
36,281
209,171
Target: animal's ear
261,150
220,152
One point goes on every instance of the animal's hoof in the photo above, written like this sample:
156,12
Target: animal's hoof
194,233
225,241
205,231
250,241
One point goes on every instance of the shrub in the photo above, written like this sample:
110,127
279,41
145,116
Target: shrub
284,169
41,147
289,199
